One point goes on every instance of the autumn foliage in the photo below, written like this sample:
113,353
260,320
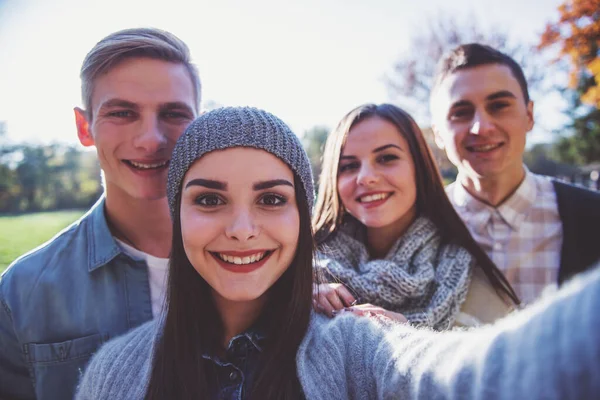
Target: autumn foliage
577,35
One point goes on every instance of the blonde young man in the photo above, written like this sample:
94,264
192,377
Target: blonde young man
104,274
538,231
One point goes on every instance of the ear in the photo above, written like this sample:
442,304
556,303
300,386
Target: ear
83,128
437,137
530,116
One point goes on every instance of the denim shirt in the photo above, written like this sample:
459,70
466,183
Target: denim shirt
236,370
60,302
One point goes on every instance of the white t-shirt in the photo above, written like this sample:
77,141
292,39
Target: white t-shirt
157,274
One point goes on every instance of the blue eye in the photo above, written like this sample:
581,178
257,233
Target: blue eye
121,114
176,115
272,200
209,200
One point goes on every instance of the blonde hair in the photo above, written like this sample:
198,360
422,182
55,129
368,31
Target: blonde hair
133,43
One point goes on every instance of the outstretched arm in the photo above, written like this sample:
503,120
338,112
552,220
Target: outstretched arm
549,351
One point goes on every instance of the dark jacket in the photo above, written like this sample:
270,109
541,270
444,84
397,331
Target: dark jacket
579,211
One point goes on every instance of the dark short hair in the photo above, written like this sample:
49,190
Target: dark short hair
473,55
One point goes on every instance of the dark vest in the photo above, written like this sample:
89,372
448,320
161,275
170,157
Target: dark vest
579,211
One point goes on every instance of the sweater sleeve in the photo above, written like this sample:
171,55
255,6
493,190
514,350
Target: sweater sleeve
119,370
549,351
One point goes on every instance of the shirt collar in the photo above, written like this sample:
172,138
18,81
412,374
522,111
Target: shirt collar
239,346
512,210
102,247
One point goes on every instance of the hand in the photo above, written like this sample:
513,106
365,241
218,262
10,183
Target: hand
328,298
369,310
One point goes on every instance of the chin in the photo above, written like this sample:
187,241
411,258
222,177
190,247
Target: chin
240,296
151,195
374,223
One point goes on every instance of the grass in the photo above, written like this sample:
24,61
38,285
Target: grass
19,234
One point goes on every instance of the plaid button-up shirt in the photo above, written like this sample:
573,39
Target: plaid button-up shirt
523,235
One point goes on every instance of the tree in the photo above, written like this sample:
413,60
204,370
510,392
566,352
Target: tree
411,78
576,38
314,142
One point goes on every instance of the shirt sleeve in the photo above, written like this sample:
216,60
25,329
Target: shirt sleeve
15,381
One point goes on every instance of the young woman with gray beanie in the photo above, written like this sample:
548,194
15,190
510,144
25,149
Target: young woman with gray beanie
238,321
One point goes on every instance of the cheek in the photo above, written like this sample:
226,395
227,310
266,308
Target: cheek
345,189
196,231
172,132
289,227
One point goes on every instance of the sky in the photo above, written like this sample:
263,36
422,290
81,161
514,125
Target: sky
308,62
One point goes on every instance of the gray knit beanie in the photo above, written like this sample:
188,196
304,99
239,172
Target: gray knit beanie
238,127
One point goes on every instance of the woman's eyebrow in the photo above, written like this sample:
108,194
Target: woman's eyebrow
207,183
387,146
271,183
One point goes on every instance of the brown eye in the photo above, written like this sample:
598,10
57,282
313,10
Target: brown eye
348,167
209,200
272,199
461,114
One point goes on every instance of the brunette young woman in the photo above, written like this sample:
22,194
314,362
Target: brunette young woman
388,235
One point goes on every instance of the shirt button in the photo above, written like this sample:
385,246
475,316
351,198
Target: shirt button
497,246
233,375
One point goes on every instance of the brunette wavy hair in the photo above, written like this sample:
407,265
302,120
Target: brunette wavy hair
432,201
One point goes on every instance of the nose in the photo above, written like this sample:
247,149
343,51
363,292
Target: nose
367,175
150,138
242,226
482,124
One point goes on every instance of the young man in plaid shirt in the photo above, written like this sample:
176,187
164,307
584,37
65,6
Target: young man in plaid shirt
538,231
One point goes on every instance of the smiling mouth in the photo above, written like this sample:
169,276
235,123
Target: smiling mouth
146,166
246,260
484,147
373,197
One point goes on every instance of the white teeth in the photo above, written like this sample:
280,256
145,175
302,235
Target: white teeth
373,197
485,147
242,260
148,166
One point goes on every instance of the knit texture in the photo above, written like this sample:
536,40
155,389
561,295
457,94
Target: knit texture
549,351
423,279
237,127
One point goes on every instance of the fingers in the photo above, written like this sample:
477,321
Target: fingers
331,297
345,296
323,306
369,310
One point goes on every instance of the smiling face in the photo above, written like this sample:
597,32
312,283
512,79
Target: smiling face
481,120
239,221
376,177
139,110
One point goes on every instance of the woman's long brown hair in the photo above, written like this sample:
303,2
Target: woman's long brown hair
193,327
431,202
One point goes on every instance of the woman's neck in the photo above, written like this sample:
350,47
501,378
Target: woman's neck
381,239
237,316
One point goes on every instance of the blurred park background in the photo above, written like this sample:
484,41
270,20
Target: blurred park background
307,61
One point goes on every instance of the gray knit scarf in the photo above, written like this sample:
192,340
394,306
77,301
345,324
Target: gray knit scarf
423,279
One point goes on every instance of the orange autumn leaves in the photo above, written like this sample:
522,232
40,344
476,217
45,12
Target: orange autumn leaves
577,34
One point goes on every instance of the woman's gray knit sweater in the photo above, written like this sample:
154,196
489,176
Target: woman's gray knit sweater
548,351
